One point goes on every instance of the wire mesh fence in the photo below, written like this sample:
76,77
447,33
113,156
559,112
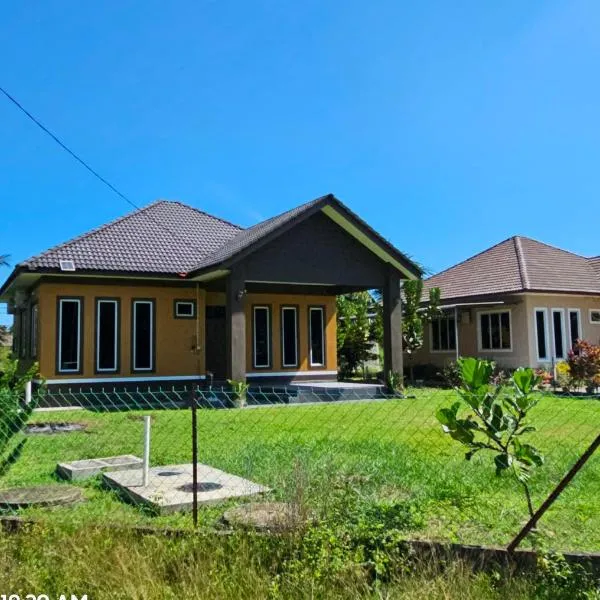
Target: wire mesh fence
127,457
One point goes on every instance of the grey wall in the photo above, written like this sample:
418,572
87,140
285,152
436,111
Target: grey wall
316,251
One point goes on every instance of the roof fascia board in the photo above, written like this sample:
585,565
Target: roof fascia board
346,224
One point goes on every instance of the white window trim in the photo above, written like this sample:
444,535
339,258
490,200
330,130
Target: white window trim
324,350
254,354
482,350
116,348
579,322
133,316
560,311
295,311
60,314
191,315
547,340
594,310
450,350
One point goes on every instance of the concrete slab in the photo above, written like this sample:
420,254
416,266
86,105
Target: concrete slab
83,469
170,488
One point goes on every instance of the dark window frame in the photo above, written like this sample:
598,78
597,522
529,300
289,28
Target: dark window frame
450,323
191,301
323,309
81,347
296,309
482,348
269,308
133,368
117,301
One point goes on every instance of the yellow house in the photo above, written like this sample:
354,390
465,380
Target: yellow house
169,293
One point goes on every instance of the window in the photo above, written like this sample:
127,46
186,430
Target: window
107,335
142,345
262,336
594,316
289,336
494,330
443,334
558,332
33,331
574,326
69,335
316,326
185,309
541,333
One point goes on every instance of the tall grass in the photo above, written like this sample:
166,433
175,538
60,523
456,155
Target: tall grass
121,565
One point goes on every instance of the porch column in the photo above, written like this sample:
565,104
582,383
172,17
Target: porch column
236,326
392,324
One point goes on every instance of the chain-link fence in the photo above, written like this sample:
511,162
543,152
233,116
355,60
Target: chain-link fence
127,457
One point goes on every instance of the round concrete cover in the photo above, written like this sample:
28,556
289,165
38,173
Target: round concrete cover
40,495
265,516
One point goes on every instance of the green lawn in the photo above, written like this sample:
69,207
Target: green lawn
389,450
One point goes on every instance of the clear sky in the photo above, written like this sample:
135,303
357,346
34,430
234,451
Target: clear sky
448,126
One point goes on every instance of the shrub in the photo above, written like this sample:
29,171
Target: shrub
584,364
563,376
496,420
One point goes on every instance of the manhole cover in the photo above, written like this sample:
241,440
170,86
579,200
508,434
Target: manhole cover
201,486
50,428
41,495
266,516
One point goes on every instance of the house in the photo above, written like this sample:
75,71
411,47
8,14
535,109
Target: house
520,303
170,293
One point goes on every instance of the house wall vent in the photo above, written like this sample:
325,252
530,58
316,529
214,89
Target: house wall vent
67,265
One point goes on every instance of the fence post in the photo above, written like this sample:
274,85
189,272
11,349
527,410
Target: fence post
28,387
146,466
194,457
549,501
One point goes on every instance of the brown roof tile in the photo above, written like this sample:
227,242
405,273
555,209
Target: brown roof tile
518,264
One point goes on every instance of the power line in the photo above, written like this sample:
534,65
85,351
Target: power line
90,169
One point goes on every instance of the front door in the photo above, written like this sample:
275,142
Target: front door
216,342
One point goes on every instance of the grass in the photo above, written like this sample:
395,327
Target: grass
104,566
385,451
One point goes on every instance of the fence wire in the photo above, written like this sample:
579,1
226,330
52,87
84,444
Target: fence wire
81,458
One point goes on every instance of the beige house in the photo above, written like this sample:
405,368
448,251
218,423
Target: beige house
520,303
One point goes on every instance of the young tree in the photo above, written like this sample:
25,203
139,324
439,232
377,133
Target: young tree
415,316
357,326
494,419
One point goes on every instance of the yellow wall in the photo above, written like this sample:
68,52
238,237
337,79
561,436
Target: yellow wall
276,301
175,338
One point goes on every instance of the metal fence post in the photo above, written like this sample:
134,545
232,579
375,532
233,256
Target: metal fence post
194,405
549,501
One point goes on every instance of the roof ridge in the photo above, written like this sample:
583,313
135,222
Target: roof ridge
470,258
523,275
530,239
91,232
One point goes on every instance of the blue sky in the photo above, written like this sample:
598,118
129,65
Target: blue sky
448,126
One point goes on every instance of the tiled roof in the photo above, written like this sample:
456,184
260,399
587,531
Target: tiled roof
164,237
173,238
247,237
518,264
